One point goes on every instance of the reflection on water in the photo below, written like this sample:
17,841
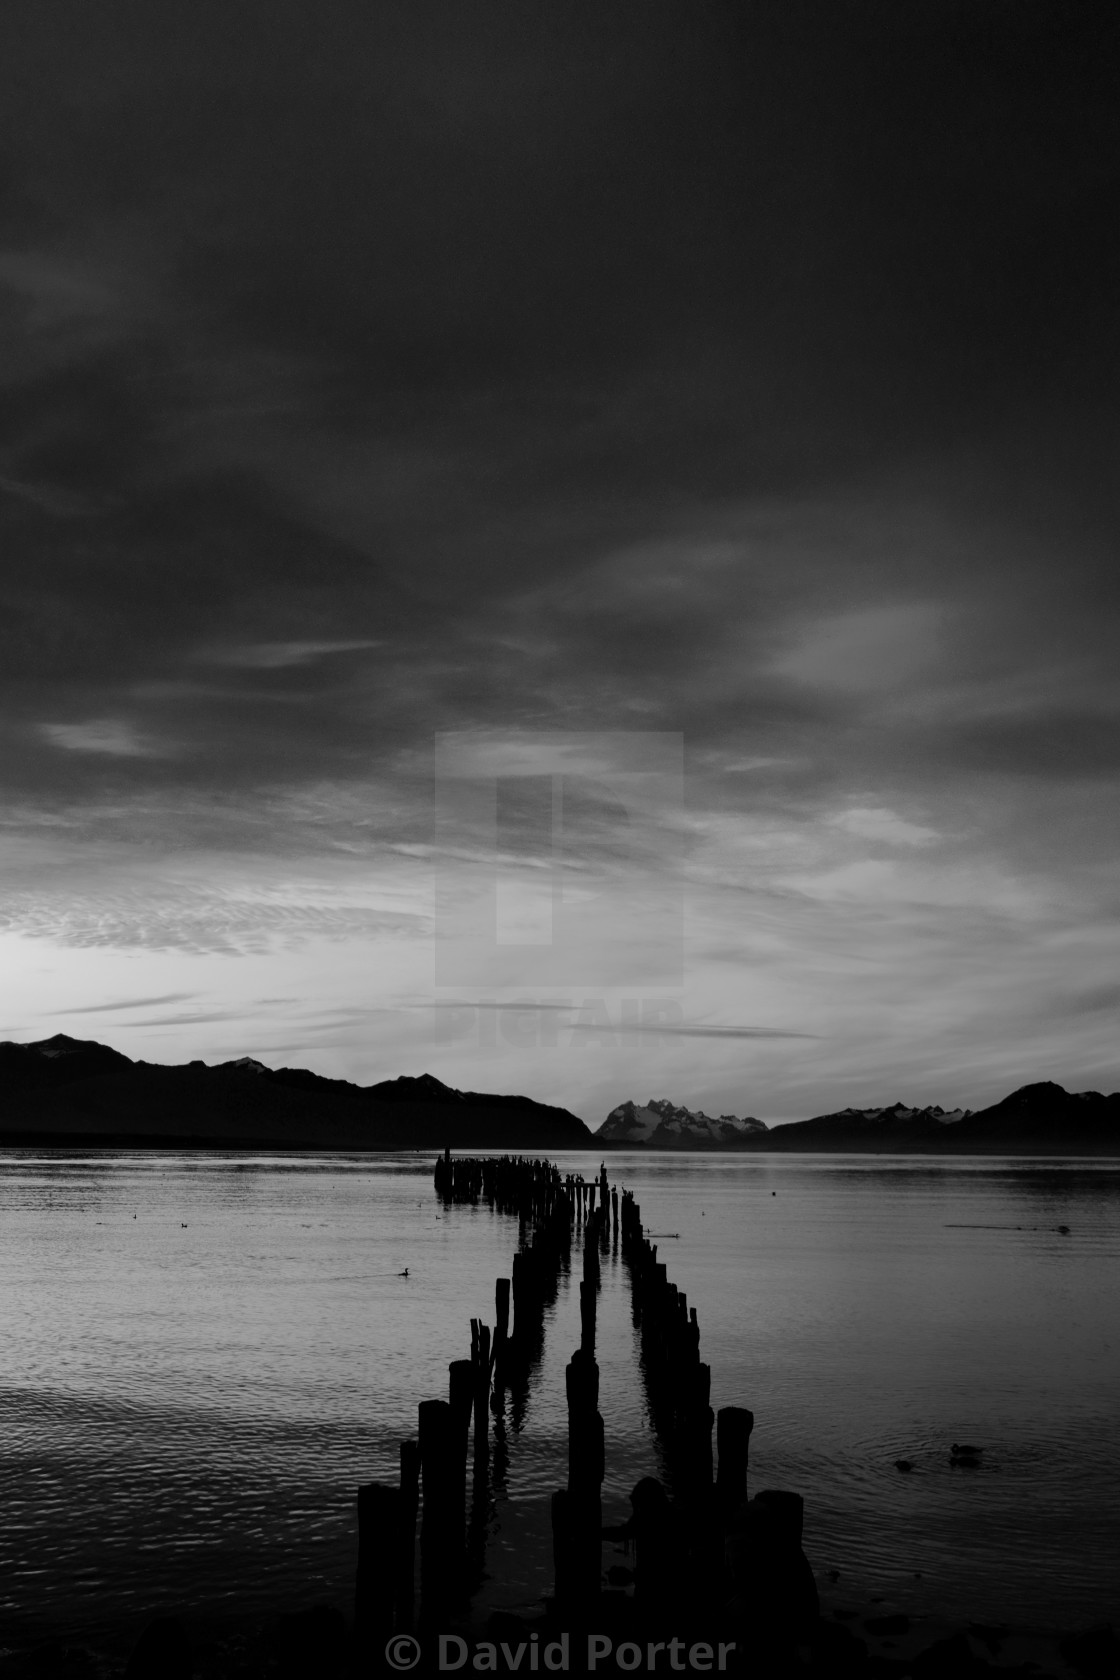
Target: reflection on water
204,1355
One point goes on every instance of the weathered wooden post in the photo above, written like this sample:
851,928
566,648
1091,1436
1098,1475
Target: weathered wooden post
501,1318
482,1393
658,1580
379,1539
733,1433
787,1511
461,1398
441,1536
764,1557
587,1316
585,1476
562,1545
406,1558
523,1292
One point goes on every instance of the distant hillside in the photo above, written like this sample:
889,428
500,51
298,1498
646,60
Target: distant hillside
661,1125
74,1091
1036,1119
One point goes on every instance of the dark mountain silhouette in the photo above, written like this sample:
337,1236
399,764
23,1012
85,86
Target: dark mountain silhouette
1036,1119
73,1091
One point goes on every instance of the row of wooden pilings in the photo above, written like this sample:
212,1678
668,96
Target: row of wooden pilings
710,1556
547,1205
680,1530
508,1183
702,1553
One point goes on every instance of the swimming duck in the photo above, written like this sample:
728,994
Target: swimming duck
904,1465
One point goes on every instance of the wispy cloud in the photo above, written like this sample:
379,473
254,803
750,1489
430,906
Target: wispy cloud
271,656
125,1003
654,1027
191,1019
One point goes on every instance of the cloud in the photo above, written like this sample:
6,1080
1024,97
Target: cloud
511,379
271,656
1055,745
191,1019
878,823
1089,1000
655,1026
879,647
164,924
102,735
125,1003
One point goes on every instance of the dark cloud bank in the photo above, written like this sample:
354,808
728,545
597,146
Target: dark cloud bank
743,370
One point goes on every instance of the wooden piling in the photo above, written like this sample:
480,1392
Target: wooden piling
405,1586
501,1315
441,1533
482,1392
584,1506
461,1383
379,1542
562,1546
733,1433
587,1316
787,1511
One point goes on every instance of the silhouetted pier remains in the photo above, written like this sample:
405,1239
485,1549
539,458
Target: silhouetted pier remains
705,1555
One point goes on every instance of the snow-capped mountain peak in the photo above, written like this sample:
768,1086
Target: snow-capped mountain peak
660,1123
902,1111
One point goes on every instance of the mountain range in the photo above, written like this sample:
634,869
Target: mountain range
78,1093
72,1091
662,1125
1042,1118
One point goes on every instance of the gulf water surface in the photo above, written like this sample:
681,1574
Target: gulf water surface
203,1355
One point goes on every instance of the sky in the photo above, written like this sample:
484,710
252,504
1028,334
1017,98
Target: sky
608,508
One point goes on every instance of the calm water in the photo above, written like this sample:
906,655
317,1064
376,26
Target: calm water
203,1355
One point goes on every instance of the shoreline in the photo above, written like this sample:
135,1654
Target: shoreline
315,1641
180,1143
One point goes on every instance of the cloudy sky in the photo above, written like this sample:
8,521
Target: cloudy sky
733,380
